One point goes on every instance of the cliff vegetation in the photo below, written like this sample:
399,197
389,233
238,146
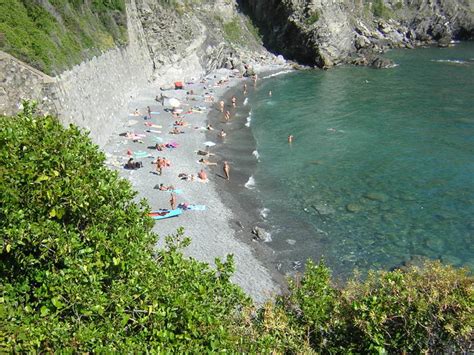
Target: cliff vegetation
53,35
78,273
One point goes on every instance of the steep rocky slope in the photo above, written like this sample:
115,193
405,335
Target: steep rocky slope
214,32
329,32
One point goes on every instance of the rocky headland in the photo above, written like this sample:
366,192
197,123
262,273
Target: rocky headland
325,33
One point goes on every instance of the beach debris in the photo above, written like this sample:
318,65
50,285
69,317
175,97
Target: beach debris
296,264
174,102
261,234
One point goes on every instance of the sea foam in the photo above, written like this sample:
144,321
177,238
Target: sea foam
246,101
249,119
450,61
256,155
250,184
276,74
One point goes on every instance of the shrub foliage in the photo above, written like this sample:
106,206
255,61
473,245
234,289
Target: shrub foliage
77,264
78,272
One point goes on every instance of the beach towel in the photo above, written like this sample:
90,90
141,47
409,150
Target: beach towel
157,139
149,124
140,154
196,208
154,113
171,145
176,191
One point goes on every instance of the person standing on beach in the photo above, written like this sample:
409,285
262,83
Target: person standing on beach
227,115
173,201
149,112
234,101
245,88
162,99
221,105
226,170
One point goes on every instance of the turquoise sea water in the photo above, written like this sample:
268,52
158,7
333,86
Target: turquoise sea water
382,164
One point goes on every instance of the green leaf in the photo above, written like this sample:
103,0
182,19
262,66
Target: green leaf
44,311
58,304
42,178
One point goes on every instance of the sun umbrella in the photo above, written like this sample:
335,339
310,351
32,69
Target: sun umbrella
174,102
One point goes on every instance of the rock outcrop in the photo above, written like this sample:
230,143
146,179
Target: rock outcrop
325,33
195,37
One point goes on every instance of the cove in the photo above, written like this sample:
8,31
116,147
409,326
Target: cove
381,169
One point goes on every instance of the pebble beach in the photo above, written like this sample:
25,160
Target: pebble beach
213,226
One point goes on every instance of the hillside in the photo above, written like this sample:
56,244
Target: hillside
54,35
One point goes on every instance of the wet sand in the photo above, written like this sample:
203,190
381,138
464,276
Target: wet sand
224,226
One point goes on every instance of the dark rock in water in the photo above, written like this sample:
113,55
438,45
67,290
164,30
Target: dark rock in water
260,234
376,196
415,260
297,265
451,260
353,207
381,63
323,210
444,42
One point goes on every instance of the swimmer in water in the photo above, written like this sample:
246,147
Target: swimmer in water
290,139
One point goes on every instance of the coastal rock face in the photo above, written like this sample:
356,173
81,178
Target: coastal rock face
194,39
326,32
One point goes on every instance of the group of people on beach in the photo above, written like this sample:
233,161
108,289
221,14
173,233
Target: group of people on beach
179,122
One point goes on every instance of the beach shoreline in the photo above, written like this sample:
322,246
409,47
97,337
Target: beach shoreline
215,229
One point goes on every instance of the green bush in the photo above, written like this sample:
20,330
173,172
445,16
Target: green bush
77,267
379,9
79,273
413,311
312,18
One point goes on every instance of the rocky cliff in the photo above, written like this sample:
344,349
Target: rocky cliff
329,32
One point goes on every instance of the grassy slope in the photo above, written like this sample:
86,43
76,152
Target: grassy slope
55,36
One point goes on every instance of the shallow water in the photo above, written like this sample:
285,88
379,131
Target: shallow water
381,168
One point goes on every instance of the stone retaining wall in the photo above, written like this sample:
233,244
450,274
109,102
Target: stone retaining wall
91,95
19,81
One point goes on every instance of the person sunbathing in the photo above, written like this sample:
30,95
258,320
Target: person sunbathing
206,162
132,165
162,187
175,130
202,175
184,176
